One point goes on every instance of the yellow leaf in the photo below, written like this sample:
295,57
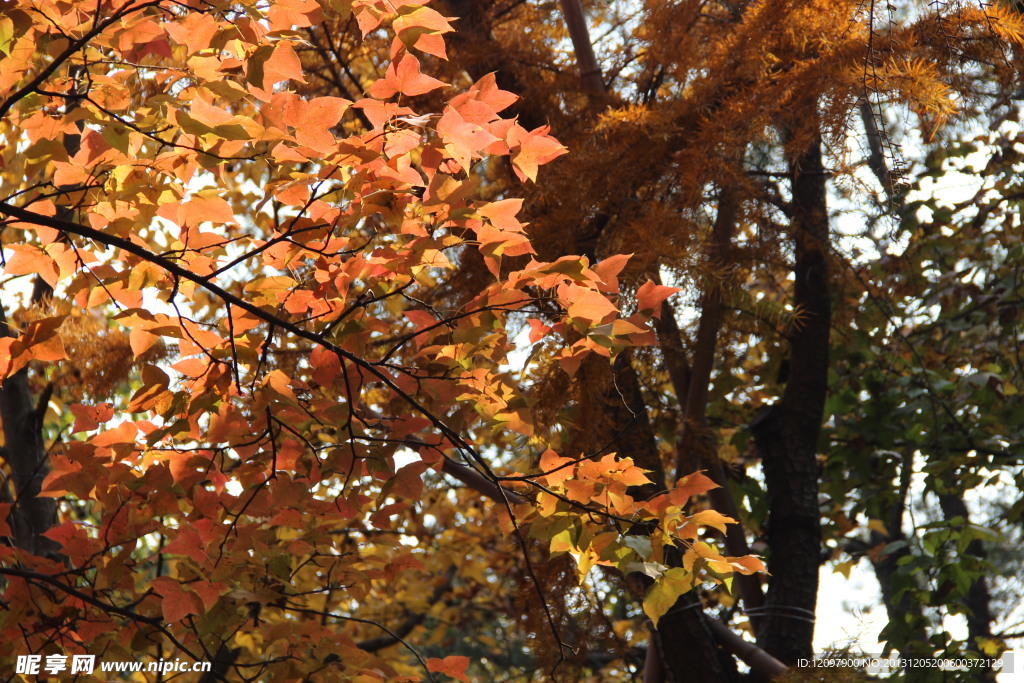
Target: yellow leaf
665,592
844,568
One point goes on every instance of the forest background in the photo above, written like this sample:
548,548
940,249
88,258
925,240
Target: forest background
370,340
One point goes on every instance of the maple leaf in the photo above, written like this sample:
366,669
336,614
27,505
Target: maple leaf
502,213
608,270
194,31
463,139
666,591
650,297
452,665
313,119
585,304
421,28
406,78
532,149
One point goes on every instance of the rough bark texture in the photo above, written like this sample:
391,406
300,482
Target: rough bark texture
787,432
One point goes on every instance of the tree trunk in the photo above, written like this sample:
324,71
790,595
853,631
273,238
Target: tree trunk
687,649
25,454
787,432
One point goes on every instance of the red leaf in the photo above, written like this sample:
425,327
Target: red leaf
326,365
538,330
209,592
89,417
176,603
453,665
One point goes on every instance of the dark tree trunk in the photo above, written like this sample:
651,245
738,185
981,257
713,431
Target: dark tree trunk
787,432
25,454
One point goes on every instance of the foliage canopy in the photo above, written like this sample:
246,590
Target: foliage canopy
326,369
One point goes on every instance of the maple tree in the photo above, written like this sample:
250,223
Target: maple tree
254,479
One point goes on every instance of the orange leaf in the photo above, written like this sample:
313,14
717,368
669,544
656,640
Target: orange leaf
30,260
487,91
502,214
141,340
12,356
689,486
405,78
650,296
153,392
531,149
712,518
423,19
200,209
195,31
585,304
453,665
550,462
313,120
748,564
608,270
41,340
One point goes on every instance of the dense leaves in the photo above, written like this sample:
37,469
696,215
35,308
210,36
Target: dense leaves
261,485
380,340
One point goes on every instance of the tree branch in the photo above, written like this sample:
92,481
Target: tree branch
590,71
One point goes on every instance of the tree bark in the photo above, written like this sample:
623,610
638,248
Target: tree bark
787,432
586,60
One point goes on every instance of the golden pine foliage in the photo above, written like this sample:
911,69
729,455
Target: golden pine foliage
100,358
